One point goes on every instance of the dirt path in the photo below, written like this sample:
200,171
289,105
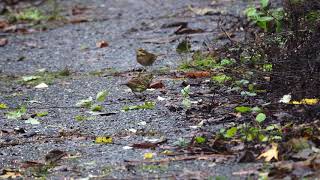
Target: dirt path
126,25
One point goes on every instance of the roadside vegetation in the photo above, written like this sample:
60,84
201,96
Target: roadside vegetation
262,89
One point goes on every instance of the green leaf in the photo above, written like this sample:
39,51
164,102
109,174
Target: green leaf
184,46
220,79
86,103
80,118
32,121
185,91
186,103
231,132
247,93
41,114
145,106
101,96
30,78
16,114
264,3
256,109
200,139
243,109
265,19
3,106
96,107
261,117
227,62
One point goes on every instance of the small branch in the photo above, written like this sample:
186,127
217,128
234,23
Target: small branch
183,158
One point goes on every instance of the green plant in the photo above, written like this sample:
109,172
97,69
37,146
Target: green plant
186,102
200,61
18,113
31,14
181,142
144,106
265,17
221,78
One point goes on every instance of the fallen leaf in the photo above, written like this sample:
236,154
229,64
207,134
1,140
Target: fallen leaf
197,74
148,156
101,96
3,24
3,106
186,30
204,11
285,99
151,144
184,46
3,42
306,101
157,85
77,20
127,147
271,153
102,44
77,10
28,164
10,174
30,78
54,156
32,121
175,24
159,98
41,86
103,140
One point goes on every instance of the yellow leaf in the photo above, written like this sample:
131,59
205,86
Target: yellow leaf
167,152
103,140
271,153
148,156
306,101
10,174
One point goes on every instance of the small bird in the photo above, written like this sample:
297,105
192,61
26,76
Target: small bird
145,58
139,83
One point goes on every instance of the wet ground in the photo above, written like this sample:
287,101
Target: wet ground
126,25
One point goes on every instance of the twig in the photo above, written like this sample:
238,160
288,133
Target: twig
183,158
224,31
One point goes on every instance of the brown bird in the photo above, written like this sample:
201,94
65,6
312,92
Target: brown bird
140,83
145,58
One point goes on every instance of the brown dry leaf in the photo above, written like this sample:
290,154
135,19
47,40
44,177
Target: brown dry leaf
174,24
28,164
204,11
157,85
186,30
77,20
102,44
54,156
197,74
76,10
10,174
3,24
3,42
271,153
147,145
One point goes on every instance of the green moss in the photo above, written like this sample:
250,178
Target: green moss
221,78
31,14
313,16
200,62
43,77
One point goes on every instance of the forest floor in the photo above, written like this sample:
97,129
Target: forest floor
228,119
